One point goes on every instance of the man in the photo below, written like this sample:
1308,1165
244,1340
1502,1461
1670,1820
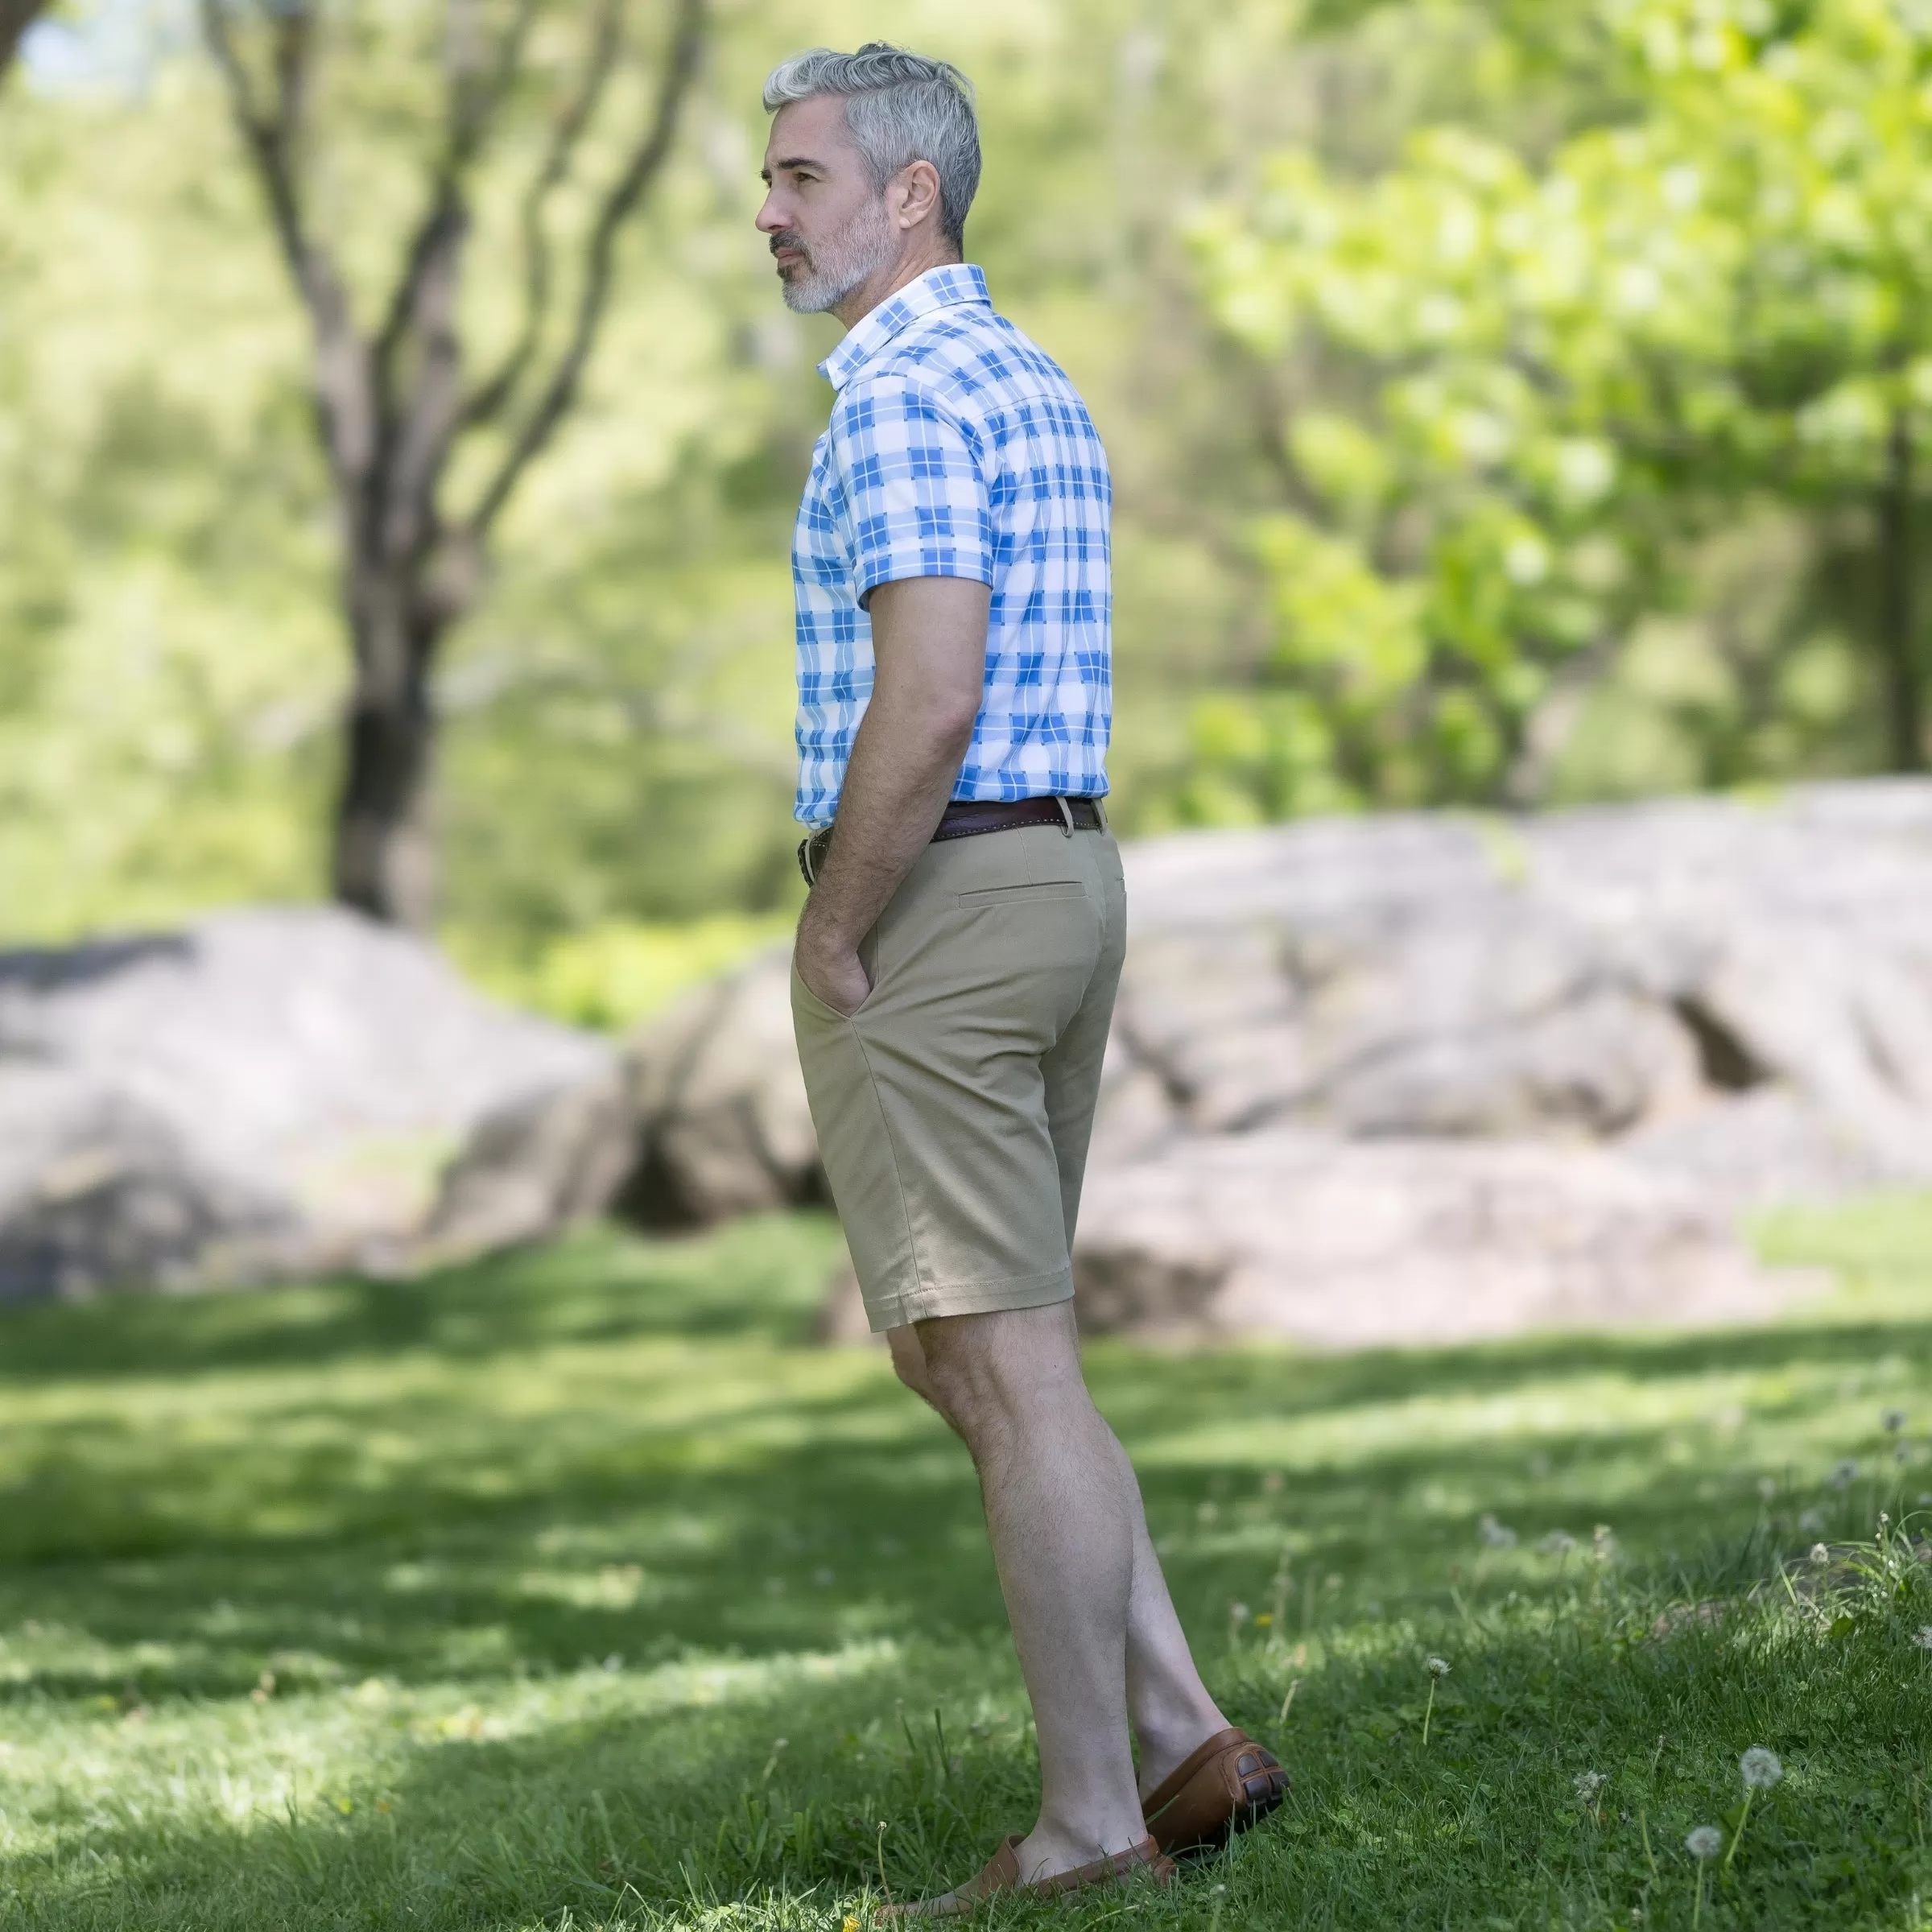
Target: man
957,958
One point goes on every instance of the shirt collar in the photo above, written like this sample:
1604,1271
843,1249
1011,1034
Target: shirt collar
955,283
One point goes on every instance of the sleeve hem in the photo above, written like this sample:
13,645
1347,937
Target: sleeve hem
868,581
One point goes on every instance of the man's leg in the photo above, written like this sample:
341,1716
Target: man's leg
1167,1704
1063,1536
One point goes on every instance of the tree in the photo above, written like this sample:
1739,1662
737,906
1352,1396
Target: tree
395,415
1516,391
16,17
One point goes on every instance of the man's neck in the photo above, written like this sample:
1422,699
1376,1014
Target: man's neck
888,282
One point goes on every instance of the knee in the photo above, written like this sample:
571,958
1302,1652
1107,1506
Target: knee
909,1362
969,1383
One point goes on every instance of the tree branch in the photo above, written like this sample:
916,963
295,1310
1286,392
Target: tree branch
271,134
16,17
489,400
560,392
473,105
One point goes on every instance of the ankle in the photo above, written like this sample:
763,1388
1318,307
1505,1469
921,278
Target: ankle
1170,1738
1063,1844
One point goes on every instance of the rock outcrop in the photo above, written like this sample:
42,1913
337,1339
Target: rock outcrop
270,1093
1392,1080
1406,1078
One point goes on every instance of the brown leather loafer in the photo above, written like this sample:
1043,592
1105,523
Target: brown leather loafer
1230,1783
1001,1873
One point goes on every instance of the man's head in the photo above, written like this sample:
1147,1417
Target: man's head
872,165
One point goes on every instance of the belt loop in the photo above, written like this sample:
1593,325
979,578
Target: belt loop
1067,814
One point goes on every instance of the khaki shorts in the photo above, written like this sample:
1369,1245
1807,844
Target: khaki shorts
953,1109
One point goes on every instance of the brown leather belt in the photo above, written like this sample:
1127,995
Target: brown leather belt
968,818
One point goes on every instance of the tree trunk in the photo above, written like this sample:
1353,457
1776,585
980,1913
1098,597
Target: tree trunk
1904,684
384,844
390,405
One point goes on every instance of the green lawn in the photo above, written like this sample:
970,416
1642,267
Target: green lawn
572,1590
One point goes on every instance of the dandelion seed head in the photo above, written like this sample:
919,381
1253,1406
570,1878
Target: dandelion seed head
1767,1487
1706,1841
1589,1784
1845,1475
1819,1554
1760,1769
1558,1542
1924,1638
1237,1613
1437,1666
1498,1536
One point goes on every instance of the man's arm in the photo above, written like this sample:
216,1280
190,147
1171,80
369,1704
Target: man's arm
929,656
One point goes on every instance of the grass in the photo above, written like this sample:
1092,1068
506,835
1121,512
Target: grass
572,1591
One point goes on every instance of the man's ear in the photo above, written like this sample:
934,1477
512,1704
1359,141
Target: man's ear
917,191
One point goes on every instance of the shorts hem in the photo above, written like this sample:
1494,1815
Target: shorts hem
925,1304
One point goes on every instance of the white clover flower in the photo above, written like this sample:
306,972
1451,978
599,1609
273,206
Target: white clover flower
1589,1785
1760,1769
1437,1666
1498,1536
1845,1475
1894,1420
1706,1841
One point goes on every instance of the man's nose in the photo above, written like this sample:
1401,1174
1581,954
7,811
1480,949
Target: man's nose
771,218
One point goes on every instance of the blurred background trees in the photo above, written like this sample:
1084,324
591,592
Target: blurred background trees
1508,405
399,401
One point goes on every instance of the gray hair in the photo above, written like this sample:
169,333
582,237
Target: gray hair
900,107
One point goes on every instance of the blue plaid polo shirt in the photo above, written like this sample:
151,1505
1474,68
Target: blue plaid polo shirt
957,448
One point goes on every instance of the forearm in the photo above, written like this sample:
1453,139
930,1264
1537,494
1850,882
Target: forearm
905,763
929,666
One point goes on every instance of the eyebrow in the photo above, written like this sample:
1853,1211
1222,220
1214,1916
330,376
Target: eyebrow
765,174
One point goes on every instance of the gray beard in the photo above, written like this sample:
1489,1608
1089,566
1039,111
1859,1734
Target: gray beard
839,265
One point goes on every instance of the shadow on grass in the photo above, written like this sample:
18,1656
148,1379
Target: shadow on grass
610,1453
781,1785
352,1525
761,1277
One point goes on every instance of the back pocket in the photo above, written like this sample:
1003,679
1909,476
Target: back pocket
1020,895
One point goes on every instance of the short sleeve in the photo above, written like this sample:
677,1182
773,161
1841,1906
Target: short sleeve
914,487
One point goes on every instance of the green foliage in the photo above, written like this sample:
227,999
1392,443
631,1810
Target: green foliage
569,1588
616,976
1564,370
1511,434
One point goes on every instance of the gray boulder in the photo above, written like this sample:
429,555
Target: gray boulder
272,1092
1398,1078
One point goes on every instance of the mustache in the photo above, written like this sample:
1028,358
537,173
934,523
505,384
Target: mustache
790,238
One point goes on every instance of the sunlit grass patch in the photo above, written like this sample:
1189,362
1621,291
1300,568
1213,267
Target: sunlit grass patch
573,1590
